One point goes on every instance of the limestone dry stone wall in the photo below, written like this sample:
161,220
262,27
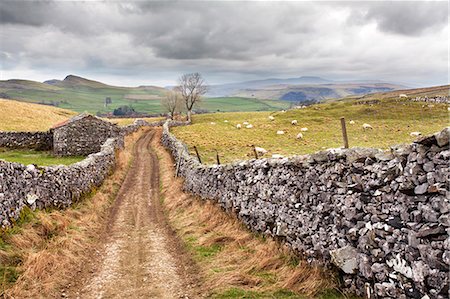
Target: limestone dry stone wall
53,186
381,217
29,140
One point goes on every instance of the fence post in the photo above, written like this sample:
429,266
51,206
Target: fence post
256,153
344,132
198,155
217,157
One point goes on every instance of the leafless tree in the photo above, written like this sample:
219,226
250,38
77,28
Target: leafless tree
191,88
172,102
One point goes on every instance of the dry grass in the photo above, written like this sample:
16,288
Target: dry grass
230,256
20,116
47,248
392,121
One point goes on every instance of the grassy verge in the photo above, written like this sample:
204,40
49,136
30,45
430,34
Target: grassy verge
392,123
41,158
234,262
45,248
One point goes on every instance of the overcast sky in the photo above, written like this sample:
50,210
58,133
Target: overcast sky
147,42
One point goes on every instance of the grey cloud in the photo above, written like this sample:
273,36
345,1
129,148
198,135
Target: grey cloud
405,17
225,39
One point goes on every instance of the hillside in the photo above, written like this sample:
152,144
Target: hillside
443,90
315,92
81,94
18,116
392,120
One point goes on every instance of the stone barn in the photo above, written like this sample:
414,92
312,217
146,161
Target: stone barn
82,135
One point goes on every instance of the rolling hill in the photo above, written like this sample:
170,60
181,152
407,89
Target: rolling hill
19,116
81,94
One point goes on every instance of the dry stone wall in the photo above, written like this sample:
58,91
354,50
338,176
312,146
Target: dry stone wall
381,217
53,186
31,140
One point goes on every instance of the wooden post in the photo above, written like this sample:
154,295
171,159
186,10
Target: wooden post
217,157
256,153
198,155
344,132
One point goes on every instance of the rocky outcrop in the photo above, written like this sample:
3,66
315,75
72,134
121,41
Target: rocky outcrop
42,141
381,217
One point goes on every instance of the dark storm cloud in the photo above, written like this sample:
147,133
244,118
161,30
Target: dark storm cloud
227,39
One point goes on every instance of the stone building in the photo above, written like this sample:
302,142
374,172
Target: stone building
82,135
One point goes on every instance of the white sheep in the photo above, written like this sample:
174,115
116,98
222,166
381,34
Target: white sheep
260,150
249,126
294,122
277,156
245,123
367,127
352,122
283,111
299,136
402,95
225,121
304,129
238,126
280,132
271,117
213,123
415,134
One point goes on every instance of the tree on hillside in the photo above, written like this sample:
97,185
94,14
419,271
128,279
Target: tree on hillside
107,101
191,87
172,102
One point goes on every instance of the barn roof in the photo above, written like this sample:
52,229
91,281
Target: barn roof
74,119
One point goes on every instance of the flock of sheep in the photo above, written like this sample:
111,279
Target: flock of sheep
262,151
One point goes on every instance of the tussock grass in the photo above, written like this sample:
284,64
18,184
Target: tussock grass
21,116
45,248
392,121
234,262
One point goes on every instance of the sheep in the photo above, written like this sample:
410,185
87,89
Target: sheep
213,123
294,122
238,126
299,136
271,118
277,156
402,95
352,122
260,150
225,121
304,129
367,126
245,123
415,134
283,111
280,132
249,126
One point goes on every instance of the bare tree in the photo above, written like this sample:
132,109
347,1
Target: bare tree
172,102
191,88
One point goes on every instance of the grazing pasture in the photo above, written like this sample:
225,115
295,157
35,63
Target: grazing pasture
392,121
41,158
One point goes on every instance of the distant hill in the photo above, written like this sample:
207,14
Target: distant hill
301,89
81,94
316,92
443,90
19,116
233,88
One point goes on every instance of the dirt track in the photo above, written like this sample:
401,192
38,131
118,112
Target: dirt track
141,257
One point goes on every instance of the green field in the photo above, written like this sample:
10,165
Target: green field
82,95
41,158
392,123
